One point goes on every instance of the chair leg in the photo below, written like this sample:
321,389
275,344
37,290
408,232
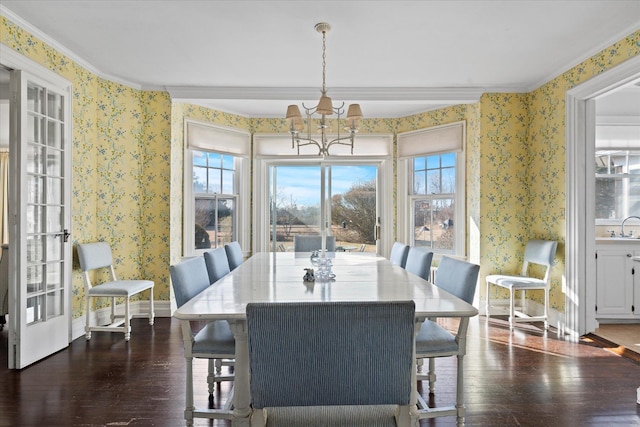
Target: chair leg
211,378
432,375
127,321
546,308
487,307
188,412
460,409
152,313
113,309
511,308
87,327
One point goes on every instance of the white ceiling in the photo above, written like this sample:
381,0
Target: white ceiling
394,57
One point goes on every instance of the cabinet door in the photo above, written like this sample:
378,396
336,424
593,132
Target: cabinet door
614,278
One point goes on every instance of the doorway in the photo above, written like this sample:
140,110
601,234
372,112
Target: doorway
580,299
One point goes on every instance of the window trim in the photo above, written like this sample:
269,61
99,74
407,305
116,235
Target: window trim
242,183
405,181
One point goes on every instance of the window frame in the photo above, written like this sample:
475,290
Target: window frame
453,142
224,140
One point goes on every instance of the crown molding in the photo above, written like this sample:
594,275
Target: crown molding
440,95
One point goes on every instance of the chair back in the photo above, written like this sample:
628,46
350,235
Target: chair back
540,252
234,254
302,354
419,262
94,255
189,278
398,255
313,243
217,264
459,278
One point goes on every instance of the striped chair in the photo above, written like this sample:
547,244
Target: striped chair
308,369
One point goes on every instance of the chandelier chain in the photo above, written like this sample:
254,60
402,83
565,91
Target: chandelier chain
324,61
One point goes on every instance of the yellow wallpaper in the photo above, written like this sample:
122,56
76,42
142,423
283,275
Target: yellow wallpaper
120,167
128,148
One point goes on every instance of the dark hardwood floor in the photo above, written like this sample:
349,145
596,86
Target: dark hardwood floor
524,378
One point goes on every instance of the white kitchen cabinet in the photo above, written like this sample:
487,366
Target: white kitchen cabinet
618,282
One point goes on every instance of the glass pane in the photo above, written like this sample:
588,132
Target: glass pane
214,186
433,162
199,179
607,206
199,158
449,160
634,163
422,223
204,220
419,163
54,106
227,162
54,134
54,276
54,162
443,235
35,185
54,247
34,219
55,304
54,191
54,219
448,180
35,249
35,98
433,182
35,155
226,219
419,184
35,276
227,182
215,160
35,309
36,129
296,201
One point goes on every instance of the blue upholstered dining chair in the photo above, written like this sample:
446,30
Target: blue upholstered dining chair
308,369
313,243
215,340
540,252
217,264
234,254
419,262
459,278
398,255
97,256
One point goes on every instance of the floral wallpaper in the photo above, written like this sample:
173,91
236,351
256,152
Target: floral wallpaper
128,154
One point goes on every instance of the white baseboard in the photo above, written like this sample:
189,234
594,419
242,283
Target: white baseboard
102,315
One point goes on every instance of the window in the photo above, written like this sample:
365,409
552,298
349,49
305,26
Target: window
431,192
617,184
433,201
216,189
215,199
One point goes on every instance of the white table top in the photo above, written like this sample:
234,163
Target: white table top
277,277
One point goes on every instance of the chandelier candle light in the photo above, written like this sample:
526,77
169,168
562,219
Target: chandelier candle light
324,108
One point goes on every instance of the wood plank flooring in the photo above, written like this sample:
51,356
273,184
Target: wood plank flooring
524,378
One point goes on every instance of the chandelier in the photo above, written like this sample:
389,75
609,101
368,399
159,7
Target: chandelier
324,108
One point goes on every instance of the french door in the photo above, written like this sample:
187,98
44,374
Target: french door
39,211
339,199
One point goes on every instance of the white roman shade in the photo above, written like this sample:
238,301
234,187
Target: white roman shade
207,137
433,140
617,137
279,145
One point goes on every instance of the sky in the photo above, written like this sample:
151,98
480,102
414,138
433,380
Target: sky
303,182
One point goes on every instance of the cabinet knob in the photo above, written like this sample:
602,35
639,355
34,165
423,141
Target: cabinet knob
629,255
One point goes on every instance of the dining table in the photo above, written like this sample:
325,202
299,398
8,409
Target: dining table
277,277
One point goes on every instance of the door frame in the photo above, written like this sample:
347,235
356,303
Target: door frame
13,60
580,247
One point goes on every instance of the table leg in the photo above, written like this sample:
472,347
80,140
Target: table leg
241,396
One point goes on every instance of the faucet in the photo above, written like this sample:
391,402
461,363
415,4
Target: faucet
622,226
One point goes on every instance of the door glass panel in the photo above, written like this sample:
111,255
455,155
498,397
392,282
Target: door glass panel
54,162
54,134
35,184
35,309
54,219
34,249
297,195
55,303
54,190
35,154
35,98
35,274
34,219
53,275
54,247
55,106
